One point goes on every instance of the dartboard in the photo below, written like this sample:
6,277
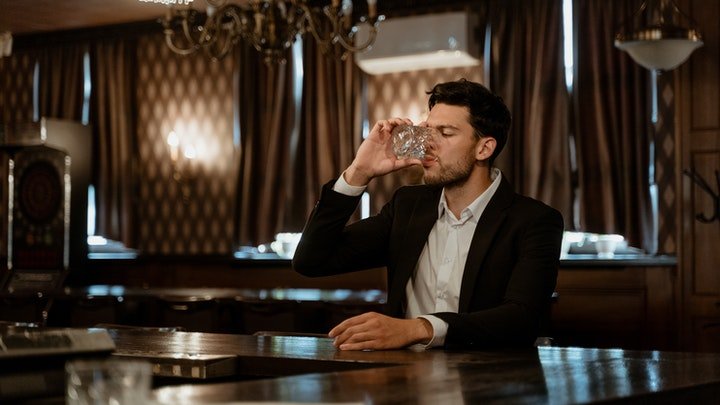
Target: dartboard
40,192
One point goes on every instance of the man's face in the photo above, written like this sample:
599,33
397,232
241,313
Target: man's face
451,155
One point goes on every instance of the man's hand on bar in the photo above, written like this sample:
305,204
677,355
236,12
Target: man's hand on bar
375,331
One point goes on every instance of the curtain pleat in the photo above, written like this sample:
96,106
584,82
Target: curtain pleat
330,127
283,165
526,70
112,111
61,81
613,127
266,116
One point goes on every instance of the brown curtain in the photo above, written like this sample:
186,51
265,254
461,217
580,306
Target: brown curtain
267,118
330,127
283,165
16,87
526,70
112,116
613,127
61,81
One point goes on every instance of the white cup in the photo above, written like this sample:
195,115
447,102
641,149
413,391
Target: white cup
108,381
285,244
606,245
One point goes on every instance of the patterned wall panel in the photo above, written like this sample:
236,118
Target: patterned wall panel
404,95
16,87
185,208
665,165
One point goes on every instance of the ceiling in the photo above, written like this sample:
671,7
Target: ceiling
34,16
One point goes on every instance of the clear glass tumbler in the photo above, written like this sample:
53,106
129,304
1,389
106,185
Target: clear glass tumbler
410,141
108,381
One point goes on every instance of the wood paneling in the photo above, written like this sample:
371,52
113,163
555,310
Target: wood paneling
627,307
706,272
698,133
704,64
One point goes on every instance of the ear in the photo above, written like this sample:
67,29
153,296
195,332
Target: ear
485,148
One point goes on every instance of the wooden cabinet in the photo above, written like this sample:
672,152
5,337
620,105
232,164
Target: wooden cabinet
623,306
216,272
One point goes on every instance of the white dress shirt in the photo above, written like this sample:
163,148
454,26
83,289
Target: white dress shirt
435,284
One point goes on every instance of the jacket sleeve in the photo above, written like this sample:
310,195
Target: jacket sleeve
329,246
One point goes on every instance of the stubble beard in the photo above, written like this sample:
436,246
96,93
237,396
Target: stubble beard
453,175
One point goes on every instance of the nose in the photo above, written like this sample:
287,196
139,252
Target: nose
430,138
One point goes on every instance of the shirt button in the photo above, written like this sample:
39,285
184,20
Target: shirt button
447,260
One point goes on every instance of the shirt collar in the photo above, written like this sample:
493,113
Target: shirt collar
476,208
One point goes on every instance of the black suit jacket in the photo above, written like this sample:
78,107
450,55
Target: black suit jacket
509,275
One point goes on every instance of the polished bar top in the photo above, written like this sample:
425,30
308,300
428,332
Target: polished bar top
571,260
310,369
624,260
245,259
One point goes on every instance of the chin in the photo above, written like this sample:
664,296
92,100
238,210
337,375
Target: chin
431,180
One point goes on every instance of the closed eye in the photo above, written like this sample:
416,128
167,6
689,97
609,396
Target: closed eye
446,130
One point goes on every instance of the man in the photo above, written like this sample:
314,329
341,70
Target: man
470,263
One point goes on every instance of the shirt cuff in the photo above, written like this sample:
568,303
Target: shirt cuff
342,187
440,328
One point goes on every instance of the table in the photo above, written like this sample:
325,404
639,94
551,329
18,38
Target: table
310,369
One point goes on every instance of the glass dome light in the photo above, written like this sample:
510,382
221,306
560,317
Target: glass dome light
659,36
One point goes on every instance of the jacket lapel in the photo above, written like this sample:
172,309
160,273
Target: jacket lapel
420,223
492,218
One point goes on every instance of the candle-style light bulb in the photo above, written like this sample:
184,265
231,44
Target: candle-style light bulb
174,143
372,8
190,152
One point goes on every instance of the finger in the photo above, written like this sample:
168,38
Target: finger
360,336
402,163
400,121
366,342
378,128
368,345
351,334
342,326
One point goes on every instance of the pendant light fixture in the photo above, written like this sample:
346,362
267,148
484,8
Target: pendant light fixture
659,36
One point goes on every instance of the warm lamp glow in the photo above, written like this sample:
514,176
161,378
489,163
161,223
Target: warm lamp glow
6,41
189,152
174,143
183,170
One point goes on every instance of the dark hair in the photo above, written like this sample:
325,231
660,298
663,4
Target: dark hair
488,114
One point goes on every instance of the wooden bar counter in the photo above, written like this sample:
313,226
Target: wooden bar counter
310,369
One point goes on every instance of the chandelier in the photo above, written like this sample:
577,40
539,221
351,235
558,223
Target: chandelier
659,36
270,26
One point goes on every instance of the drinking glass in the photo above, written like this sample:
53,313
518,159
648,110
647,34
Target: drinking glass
108,381
410,141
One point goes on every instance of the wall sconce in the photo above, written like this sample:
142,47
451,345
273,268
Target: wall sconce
659,36
183,160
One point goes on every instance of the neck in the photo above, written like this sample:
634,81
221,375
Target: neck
459,196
